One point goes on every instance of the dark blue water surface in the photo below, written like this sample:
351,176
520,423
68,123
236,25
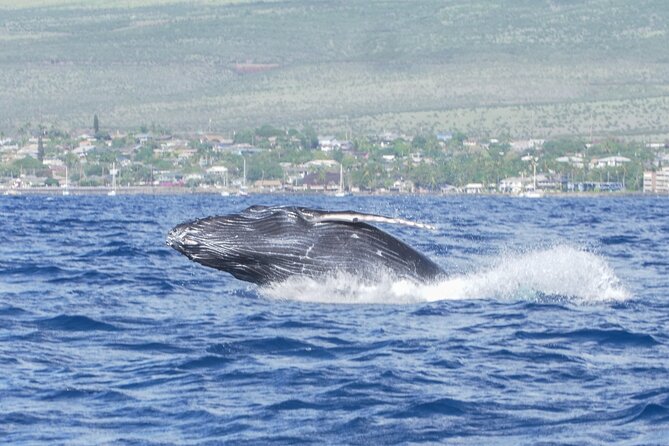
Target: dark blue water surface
551,328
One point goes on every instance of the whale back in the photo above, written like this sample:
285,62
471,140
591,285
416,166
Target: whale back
269,244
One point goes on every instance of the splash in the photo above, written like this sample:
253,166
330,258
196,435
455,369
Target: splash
561,272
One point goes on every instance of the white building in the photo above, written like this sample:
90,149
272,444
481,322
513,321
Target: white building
513,185
575,160
656,182
321,163
328,143
526,144
474,188
609,161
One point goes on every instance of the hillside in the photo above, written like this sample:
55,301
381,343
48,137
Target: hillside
528,68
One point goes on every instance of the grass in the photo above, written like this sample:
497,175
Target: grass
527,68
104,4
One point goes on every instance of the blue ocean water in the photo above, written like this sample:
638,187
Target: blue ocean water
552,328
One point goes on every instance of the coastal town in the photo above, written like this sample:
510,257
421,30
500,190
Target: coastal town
270,159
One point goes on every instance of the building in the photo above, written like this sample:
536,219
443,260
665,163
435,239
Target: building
321,181
656,182
609,161
526,144
270,185
474,188
513,185
328,143
572,160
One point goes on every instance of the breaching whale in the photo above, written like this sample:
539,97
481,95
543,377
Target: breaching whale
265,244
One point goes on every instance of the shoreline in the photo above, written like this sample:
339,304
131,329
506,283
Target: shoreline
172,190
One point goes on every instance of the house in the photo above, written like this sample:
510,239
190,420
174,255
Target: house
58,171
474,188
217,170
513,185
216,139
403,186
184,153
268,184
327,143
173,145
193,177
573,160
527,144
387,138
444,137
294,173
548,182
84,147
244,148
416,158
218,174
321,163
143,138
610,161
53,162
346,146
321,181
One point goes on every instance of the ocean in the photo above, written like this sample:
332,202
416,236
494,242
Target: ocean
552,327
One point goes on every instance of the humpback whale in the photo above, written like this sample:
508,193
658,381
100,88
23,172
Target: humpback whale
265,244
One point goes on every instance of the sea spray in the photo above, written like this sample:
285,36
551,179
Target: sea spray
561,272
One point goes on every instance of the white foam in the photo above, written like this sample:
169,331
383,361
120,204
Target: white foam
560,272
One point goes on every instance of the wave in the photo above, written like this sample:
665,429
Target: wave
66,322
556,273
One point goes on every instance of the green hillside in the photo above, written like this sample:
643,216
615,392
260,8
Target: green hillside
526,68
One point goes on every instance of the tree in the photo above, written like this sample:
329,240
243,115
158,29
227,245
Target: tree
40,149
267,131
419,142
309,138
245,136
28,163
264,166
144,154
96,124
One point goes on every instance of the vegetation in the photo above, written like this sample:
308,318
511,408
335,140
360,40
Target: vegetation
517,69
425,161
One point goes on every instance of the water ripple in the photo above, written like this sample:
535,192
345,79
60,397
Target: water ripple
75,323
549,329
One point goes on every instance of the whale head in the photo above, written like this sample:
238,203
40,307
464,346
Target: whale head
259,245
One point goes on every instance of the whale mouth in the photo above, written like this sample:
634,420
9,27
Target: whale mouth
179,237
173,238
